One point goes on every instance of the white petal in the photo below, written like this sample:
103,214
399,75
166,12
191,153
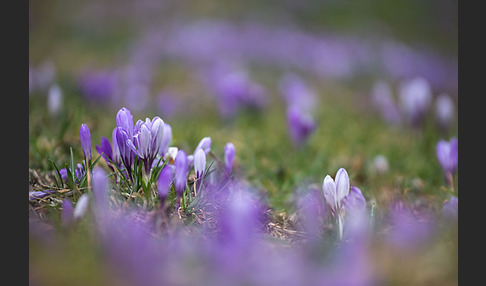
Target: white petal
342,184
329,189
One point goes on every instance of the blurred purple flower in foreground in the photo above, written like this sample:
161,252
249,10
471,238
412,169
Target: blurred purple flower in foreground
447,154
410,228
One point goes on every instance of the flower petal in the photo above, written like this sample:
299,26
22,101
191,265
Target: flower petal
329,189
342,184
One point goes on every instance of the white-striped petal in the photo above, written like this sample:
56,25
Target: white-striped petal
342,184
329,189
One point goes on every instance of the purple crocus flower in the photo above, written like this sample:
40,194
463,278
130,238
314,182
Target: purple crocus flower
354,203
85,138
181,170
126,153
147,140
204,144
124,119
98,86
164,182
450,208
301,125
297,93
447,154
343,199
105,150
166,139
229,156
415,96
199,162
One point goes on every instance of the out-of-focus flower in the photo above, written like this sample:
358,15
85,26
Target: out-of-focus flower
85,138
444,111
415,96
54,99
181,170
450,208
229,156
81,207
447,154
380,164
300,125
382,97
410,228
297,93
164,182
79,173
67,213
98,86
199,162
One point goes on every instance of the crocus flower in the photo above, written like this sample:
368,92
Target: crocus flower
147,140
85,138
181,170
444,111
199,162
340,199
450,208
204,144
126,153
415,96
164,182
166,139
297,93
354,203
105,150
301,125
124,119
447,154
54,99
81,206
229,156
